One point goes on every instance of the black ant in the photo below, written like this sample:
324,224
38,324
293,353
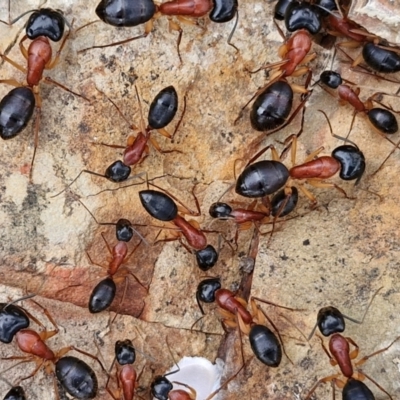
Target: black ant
16,108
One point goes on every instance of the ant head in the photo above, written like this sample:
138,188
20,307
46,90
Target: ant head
117,172
326,6
12,320
158,205
331,79
124,230
206,258
303,16
206,290
125,352
161,387
16,393
220,210
163,108
283,204
352,162
330,320
46,22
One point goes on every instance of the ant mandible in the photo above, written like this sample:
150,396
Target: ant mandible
16,108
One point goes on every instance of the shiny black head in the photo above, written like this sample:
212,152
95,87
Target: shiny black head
356,390
303,16
352,162
125,352
158,205
206,290
206,258
16,110
220,210
163,108
117,172
12,320
262,178
265,345
46,22
125,13
331,79
283,204
16,393
102,296
123,230
330,320
161,387
76,377
383,120
223,11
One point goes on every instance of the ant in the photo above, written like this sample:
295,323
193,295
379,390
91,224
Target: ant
271,109
127,379
104,292
266,177
341,355
279,206
161,112
16,108
114,13
74,375
162,207
233,309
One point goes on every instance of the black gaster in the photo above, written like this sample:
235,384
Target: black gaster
381,60
272,107
262,178
16,393
158,205
163,108
125,12
265,345
76,377
356,390
102,295
383,120
16,109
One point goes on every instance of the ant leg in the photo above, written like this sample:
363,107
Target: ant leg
375,353
11,82
364,375
39,365
65,350
324,185
49,317
14,64
323,380
51,81
147,29
38,114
